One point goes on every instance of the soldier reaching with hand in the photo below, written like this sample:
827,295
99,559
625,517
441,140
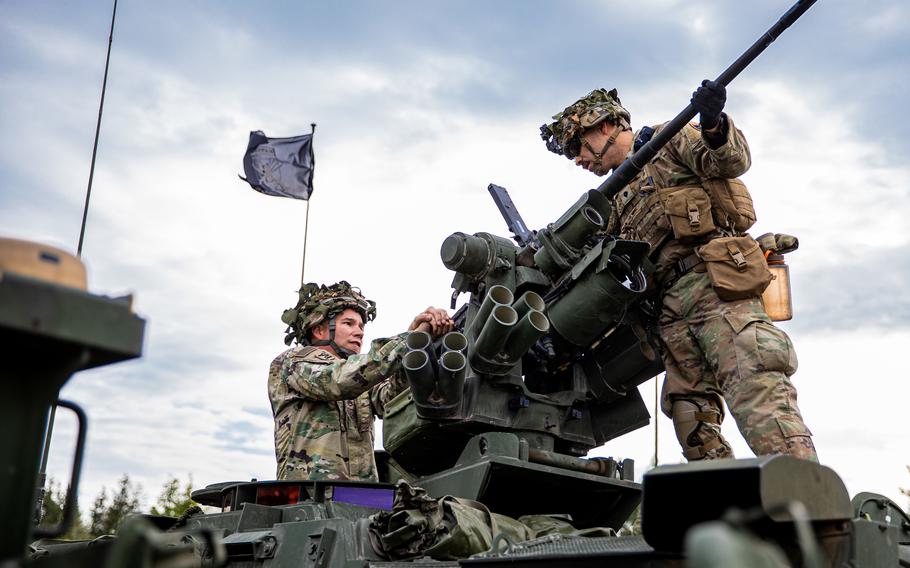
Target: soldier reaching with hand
324,393
717,341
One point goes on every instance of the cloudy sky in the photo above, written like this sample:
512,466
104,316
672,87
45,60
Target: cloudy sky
419,106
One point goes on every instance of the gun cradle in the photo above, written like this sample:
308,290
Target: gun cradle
557,368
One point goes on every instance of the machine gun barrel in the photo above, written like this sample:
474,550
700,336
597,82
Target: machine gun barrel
623,174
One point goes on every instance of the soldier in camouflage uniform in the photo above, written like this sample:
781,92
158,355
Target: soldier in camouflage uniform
324,394
713,349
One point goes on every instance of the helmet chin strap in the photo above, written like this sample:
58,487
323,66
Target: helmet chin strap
599,155
340,351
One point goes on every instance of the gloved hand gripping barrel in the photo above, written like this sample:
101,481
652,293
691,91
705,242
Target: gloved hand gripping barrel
504,329
436,384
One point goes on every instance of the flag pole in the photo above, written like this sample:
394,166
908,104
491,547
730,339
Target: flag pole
91,171
305,231
306,228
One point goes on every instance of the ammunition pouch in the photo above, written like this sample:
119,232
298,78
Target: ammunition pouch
689,211
687,420
736,267
731,204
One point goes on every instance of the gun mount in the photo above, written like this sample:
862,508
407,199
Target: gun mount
544,368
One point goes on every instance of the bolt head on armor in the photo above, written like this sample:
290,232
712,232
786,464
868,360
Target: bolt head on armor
317,303
563,136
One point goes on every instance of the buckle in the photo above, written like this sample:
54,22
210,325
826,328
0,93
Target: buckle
694,217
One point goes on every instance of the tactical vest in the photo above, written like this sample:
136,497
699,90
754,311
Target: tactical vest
690,213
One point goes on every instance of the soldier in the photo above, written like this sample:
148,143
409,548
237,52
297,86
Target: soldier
324,394
714,348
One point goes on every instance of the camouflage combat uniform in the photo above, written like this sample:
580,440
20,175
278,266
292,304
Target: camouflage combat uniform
324,408
713,349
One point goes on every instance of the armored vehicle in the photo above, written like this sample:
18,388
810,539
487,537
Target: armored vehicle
507,440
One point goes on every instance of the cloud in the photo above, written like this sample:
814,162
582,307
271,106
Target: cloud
866,292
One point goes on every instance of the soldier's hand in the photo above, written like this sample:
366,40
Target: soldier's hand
435,321
709,100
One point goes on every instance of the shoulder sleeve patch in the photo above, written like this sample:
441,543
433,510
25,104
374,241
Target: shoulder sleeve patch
316,355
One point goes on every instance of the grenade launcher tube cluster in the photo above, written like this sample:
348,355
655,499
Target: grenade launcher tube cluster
436,382
504,329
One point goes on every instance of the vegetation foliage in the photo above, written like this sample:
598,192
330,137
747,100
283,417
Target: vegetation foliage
110,507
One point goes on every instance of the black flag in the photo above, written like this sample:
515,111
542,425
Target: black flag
280,166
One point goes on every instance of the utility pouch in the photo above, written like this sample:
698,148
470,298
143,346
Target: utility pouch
731,203
689,210
736,267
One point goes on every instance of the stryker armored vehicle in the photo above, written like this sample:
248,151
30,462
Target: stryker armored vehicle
499,416
772,511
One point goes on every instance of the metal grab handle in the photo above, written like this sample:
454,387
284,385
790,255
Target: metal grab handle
69,506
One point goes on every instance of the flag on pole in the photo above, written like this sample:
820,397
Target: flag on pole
280,166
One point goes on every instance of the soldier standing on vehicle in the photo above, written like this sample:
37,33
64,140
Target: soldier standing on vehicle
324,394
717,341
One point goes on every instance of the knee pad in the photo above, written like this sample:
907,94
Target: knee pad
688,421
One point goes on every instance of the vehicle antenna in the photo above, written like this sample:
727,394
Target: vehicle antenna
91,171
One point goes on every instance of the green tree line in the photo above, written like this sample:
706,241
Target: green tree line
110,507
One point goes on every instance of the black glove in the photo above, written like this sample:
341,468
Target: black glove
709,101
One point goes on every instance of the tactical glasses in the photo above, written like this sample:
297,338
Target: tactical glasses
572,148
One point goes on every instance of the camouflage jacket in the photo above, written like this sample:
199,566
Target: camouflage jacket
685,160
324,407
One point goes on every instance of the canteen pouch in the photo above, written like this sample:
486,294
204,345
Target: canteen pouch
689,210
736,267
731,203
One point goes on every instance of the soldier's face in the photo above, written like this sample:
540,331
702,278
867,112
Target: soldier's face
348,330
593,141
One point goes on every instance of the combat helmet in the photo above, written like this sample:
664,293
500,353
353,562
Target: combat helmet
563,135
317,303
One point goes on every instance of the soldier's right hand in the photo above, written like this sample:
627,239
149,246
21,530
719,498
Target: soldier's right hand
435,321
709,100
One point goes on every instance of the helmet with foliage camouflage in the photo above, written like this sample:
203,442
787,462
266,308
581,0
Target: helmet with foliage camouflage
563,136
317,303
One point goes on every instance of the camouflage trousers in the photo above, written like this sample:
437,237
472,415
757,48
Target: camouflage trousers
717,351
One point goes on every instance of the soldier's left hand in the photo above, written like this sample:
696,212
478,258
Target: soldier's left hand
435,321
709,100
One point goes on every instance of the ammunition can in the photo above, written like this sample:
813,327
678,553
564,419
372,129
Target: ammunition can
597,300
